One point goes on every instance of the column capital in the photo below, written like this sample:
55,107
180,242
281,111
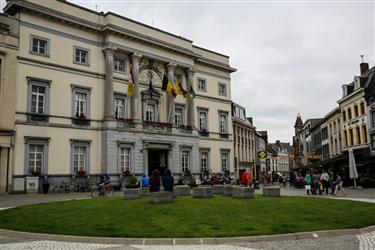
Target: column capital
171,66
136,57
109,50
191,71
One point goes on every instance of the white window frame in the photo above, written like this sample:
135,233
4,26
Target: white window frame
223,125
38,53
80,144
205,112
206,158
200,87
79,61
223,91
185,160
150,112
31,81
39,142
222,154
123,114
86,108
125,159
119,63
179,115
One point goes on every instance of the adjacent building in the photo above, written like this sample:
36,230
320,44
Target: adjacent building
244,141
77,111
281,157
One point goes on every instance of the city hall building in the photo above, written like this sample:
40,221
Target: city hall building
70,111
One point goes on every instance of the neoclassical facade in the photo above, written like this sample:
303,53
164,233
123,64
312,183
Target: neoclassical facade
75,113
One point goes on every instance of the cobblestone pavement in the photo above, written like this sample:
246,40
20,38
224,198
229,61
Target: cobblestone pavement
366,241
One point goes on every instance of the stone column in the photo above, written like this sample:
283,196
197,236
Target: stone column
190,103
170,99
136,104
108,89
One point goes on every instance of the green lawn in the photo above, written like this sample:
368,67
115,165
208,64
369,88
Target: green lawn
187,217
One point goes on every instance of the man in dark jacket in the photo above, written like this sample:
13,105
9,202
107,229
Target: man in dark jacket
155,181
168,181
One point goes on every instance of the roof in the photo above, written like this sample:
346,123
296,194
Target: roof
298,122
280,147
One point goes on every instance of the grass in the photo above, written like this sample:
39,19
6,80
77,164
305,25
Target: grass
187,217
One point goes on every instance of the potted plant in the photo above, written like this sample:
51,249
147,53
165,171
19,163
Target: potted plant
81,172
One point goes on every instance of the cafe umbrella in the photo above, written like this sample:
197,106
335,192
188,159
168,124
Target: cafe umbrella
353,174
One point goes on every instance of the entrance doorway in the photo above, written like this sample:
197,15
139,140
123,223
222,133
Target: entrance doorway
157,159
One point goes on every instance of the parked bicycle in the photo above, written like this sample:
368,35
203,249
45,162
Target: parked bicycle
101,190
64,187
82,187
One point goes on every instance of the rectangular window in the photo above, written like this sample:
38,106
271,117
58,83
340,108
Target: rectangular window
185,160
350,137
179,116
203,123
364,132
373,118
81,56
224,161
356,111
222,89
119,65
373,141
39,46
346,138
223,123
344,115
202,84
204,161
120,108
363,111
38,99
349,113
79,159
80,103
358,134
125,159
36,158
150,113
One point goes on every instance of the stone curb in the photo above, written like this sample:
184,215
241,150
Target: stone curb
185,241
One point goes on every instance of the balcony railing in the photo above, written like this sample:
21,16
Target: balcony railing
185,129
158,127
125,123
37,117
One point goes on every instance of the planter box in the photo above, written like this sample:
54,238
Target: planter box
218,189
161,197
132,193
202,192
243,192
228,190
32,184
271,191
145,191
182,190
18,185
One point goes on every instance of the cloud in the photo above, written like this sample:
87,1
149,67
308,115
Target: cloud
290,56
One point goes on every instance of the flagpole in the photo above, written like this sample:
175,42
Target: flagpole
170,109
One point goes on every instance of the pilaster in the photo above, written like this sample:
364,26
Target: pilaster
190,104
135,105
108,89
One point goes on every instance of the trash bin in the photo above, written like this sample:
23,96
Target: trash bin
45,186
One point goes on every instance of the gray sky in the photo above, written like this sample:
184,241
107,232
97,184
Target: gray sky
291,56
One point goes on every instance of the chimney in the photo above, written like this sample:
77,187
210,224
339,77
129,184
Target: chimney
363,66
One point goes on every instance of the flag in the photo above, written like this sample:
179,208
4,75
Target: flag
191,92
169,87
187,95
174,94
150,88
179,88
131,82
165,83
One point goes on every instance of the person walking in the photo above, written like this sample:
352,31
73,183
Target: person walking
325,180
145,181
316,183
339,183
332,182
308,183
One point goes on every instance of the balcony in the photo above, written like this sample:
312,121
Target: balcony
80,121
37,117
125,123
157,127
204,133
225,136
185,129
